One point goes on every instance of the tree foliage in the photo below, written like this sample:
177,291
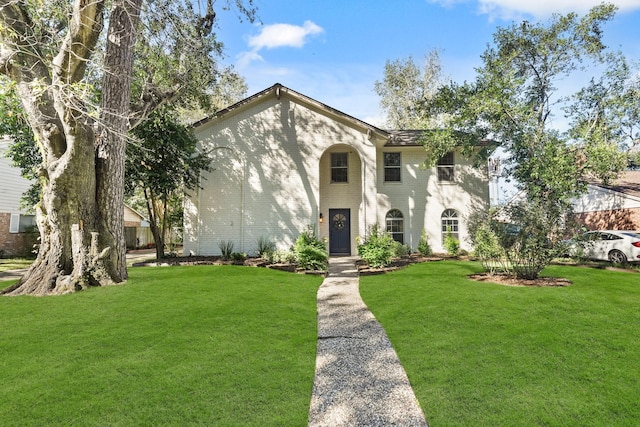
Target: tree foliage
71,64
406,87
163,162
515,101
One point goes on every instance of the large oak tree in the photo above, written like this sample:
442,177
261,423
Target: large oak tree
81,92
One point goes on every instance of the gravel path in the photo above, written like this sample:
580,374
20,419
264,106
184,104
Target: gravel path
359,380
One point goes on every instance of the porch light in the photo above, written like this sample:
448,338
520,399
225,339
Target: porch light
321,218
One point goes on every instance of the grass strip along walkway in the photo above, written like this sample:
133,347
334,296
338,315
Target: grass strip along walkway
205,345
359,380
485,354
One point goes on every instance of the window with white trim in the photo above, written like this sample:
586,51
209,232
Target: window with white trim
392,167
339,167
446,168
395,225
14,223
19,223
450,224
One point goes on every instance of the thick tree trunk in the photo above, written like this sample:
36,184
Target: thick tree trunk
66,216
80,217
110,149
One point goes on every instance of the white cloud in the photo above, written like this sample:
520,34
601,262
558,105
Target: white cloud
275,36
510,9
543,8
245,58
284,35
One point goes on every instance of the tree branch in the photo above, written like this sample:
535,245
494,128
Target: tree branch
80,41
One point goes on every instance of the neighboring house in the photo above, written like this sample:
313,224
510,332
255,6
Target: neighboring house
18,230
611,207
17,226
283,161
137,232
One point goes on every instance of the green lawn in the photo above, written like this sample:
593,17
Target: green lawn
489,355
208,345
14,263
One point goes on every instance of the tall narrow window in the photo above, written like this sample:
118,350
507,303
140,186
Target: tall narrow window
445,168
391,167
450,224
395,225
339,167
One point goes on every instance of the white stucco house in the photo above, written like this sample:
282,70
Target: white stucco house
283,161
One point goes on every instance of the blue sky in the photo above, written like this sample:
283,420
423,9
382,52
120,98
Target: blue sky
334,50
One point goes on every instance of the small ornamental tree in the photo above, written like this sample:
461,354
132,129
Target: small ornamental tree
163,162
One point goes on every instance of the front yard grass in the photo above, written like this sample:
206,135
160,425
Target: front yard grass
14,263
484,354
204,345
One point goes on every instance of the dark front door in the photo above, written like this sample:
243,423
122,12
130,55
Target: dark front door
339,232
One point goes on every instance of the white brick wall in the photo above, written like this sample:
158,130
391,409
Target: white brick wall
271,178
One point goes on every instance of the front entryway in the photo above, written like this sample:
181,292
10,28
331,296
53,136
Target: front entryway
339,232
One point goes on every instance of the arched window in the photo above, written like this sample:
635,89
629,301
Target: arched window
450,223
395,225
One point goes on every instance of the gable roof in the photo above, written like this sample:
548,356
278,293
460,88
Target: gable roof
278,91
627,183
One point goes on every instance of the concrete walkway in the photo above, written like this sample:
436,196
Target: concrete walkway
359,380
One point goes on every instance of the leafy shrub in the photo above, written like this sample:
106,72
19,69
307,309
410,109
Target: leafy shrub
237,256
377,249
487,248
310,252
265,246
400,250
528,237
423,245
226,248
451,244
280,257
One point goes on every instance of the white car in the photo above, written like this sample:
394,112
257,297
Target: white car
617,246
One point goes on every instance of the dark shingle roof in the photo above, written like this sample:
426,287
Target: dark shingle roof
404,138
627,183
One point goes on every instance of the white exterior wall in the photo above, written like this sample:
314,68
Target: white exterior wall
266,177
272,179
602,199
13,184
422,199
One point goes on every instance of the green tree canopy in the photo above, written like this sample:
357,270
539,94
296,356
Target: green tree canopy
163,162
514,101
86,72
404,89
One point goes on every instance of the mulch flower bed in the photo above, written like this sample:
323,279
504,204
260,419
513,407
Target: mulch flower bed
218,260
503,279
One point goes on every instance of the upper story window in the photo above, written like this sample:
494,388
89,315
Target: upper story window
445,168
395,225
392,167
339,167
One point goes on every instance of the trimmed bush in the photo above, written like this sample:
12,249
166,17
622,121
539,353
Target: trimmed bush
423,245
451,244
378,248
310,252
